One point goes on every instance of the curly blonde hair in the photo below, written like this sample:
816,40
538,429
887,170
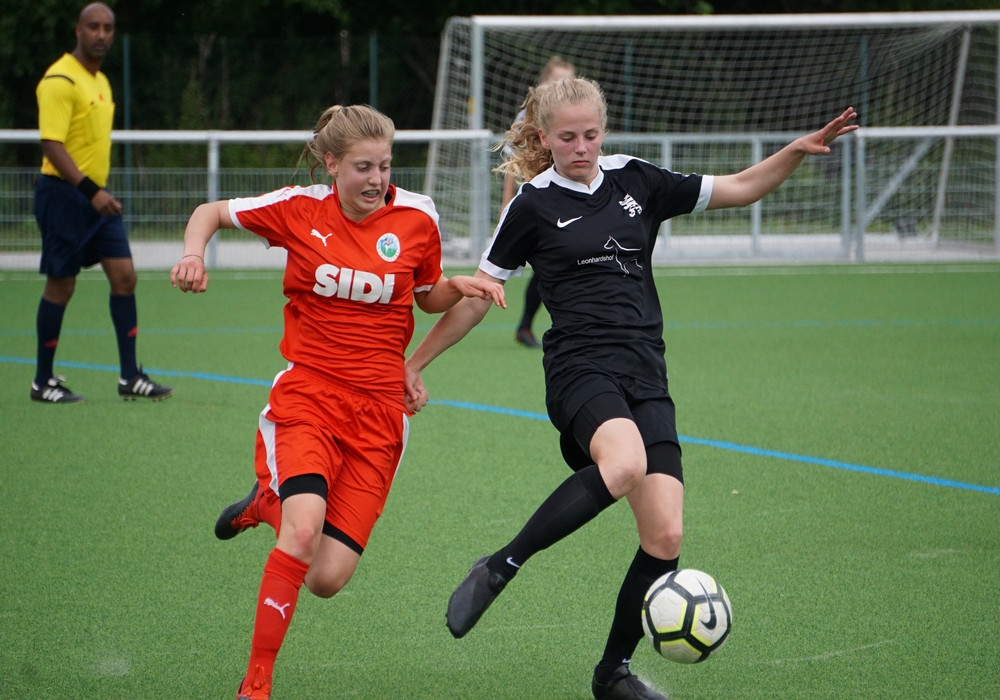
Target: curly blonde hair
524,155
339,128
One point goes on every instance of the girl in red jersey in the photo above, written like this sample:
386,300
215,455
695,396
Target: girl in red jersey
333,432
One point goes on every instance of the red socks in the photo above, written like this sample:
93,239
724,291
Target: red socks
279,591
269,508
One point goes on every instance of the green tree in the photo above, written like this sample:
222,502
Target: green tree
276,64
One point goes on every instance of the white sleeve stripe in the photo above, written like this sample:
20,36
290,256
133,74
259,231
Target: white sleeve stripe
233,208
405,198
239,204
498,272
707,183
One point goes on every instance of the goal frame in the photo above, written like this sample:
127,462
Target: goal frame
861,206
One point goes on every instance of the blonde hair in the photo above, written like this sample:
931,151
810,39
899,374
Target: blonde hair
340,127
553,64
524,155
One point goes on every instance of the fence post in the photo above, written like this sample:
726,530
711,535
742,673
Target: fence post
845,196
479,198
212,187
860,203
756,156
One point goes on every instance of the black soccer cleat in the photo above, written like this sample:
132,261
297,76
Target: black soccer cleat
238,516
472,597
54,391
623,685
142,387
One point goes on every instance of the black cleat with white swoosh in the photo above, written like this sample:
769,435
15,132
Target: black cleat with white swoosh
470,600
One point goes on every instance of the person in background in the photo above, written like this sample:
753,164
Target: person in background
587,224
332,434
80,221
555,69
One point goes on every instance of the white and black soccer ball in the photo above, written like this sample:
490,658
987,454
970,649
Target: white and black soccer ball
686,616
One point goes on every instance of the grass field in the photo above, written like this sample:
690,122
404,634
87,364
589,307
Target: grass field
841,435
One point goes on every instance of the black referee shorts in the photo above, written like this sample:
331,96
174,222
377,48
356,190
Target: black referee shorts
74,234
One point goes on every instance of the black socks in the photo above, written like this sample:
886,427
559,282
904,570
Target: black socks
48,325
626,628
124,317
573,504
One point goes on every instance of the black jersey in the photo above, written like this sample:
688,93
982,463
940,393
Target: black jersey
591,250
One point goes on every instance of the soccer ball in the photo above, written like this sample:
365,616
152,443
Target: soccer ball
686,616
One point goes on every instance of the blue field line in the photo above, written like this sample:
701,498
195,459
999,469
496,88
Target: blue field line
747,449
506,327
261,330
936,481
829,323
717,444
158,372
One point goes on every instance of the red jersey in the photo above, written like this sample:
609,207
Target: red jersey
349,284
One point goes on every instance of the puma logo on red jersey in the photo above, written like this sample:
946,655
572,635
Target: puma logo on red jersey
320,236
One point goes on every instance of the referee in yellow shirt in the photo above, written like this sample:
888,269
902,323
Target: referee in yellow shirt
80,221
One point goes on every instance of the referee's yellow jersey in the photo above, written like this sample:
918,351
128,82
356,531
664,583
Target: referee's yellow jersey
77,109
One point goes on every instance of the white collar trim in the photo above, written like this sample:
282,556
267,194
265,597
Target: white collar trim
578,186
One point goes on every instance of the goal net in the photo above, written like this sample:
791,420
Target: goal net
713,94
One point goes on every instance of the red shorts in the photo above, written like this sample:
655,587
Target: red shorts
313,425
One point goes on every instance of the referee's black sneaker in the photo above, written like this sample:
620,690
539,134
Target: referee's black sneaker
142,387
472,597
623,685
54,391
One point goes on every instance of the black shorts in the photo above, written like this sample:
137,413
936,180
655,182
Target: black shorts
655,419
74,235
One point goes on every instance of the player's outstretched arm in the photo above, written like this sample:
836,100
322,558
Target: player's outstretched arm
447,292
750,185
189,274
453,325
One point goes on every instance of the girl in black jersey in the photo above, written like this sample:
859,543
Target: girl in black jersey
587,224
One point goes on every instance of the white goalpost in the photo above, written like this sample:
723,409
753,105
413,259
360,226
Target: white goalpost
713,94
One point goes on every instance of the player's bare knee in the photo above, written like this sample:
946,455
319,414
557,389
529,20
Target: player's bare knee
324,588
670,539
664,542
621,476
634,472
301,541
326,584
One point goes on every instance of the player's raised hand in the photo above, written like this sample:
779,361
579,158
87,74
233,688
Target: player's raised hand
819,142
